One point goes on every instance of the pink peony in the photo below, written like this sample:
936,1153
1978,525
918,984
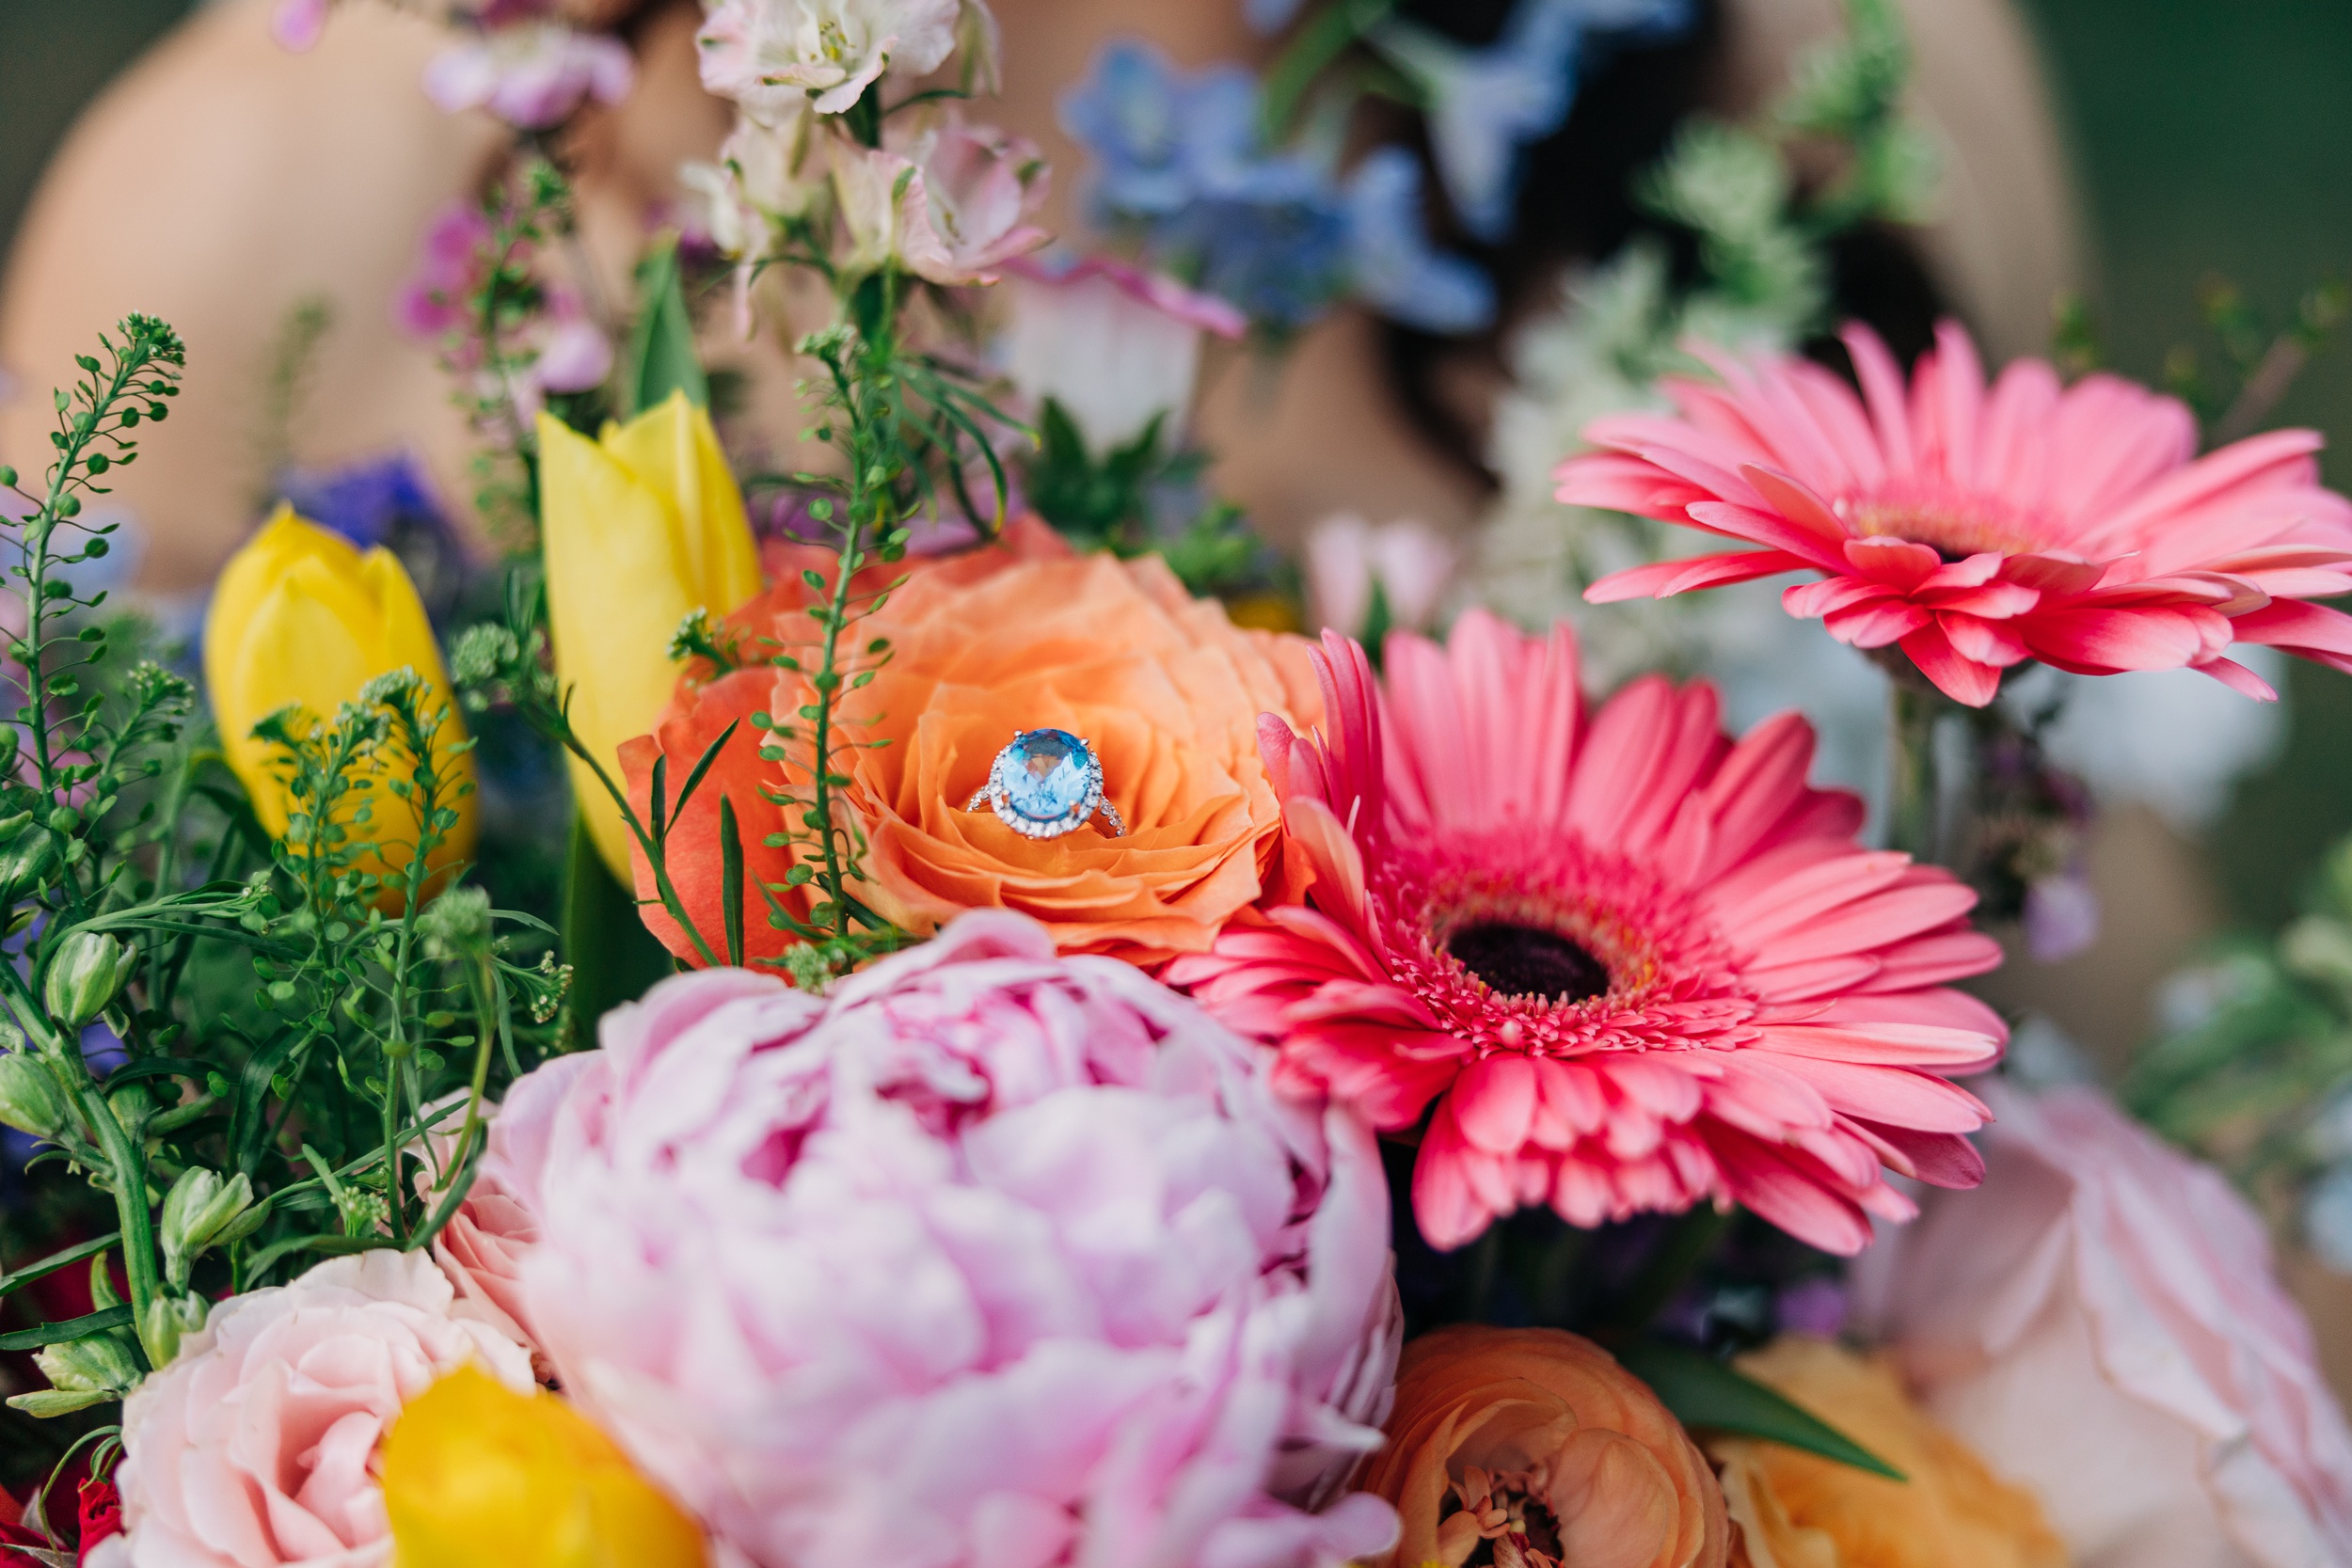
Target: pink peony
1975,530
989,1259
532,75
2100,1322
257,1445
1636,966
482,1246
950,204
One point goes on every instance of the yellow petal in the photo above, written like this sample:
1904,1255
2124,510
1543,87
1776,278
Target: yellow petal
672,449
616,591
478,1476
405,640
311,641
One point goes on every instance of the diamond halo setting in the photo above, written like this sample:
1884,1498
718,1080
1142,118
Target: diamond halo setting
1045,784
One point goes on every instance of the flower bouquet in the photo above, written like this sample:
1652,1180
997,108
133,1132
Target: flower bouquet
1033,1061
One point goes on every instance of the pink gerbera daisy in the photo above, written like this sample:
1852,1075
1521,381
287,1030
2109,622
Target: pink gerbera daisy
1978,529
1637,966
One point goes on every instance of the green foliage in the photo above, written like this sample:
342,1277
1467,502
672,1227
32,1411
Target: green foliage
490,356
244,1124
2260,1049
1115,502
1711,1395
661,358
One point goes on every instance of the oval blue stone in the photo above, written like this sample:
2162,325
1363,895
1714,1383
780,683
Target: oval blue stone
1046,774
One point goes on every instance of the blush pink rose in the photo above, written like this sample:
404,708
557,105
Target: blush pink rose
2100,1321
989,1257
258,1446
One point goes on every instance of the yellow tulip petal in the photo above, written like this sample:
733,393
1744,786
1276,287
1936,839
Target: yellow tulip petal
405,640
302,644
254,570
672,450
300,616
479,1475
616,591
727,555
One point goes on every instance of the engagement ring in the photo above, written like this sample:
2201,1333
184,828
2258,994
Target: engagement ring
1047,782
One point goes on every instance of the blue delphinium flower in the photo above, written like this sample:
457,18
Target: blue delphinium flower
1181,158
1484,105
1181,162
1128,113
1394,268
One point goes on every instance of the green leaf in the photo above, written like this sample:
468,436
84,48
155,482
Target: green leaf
1705,1392
661,358
71,1328
17,1279
613,957
731,879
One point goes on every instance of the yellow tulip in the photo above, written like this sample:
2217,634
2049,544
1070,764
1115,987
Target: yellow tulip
639,527
478,1476
301,616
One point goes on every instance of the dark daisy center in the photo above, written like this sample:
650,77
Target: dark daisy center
1528,961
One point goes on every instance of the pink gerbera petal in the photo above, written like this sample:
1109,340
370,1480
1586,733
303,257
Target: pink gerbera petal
1975,529
1622,964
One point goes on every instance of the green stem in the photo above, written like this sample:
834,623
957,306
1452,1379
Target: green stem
1911,781
1325,39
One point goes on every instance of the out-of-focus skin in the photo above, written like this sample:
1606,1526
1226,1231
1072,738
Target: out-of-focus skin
222,182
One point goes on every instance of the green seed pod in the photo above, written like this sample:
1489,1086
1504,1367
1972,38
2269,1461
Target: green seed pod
86,973
30,1100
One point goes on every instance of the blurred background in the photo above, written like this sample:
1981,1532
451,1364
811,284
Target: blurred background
2208,141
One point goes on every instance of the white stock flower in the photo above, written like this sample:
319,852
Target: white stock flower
771,55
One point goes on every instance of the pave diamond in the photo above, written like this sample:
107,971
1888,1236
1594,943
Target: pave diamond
1045,776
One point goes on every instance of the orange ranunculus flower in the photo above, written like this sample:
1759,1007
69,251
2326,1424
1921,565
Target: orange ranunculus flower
702,708
1164,686
1797,1509
1535,1443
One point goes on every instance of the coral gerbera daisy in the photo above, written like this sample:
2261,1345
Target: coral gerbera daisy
1976,529
1636,965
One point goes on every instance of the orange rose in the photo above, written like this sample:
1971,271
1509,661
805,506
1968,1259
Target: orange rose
703,707
1537,1443
1165,687
1796,1509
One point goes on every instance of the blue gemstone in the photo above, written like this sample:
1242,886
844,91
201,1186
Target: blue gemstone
1046,774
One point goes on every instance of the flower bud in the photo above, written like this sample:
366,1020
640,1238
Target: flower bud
301,619
85,974
199,1207
30,1100
166,1320
81,1372
28,859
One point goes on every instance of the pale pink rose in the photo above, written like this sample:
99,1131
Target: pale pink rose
1409,562
257,1446
2100,1321
532,75
1111,344
772,56
989,1257
950,204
